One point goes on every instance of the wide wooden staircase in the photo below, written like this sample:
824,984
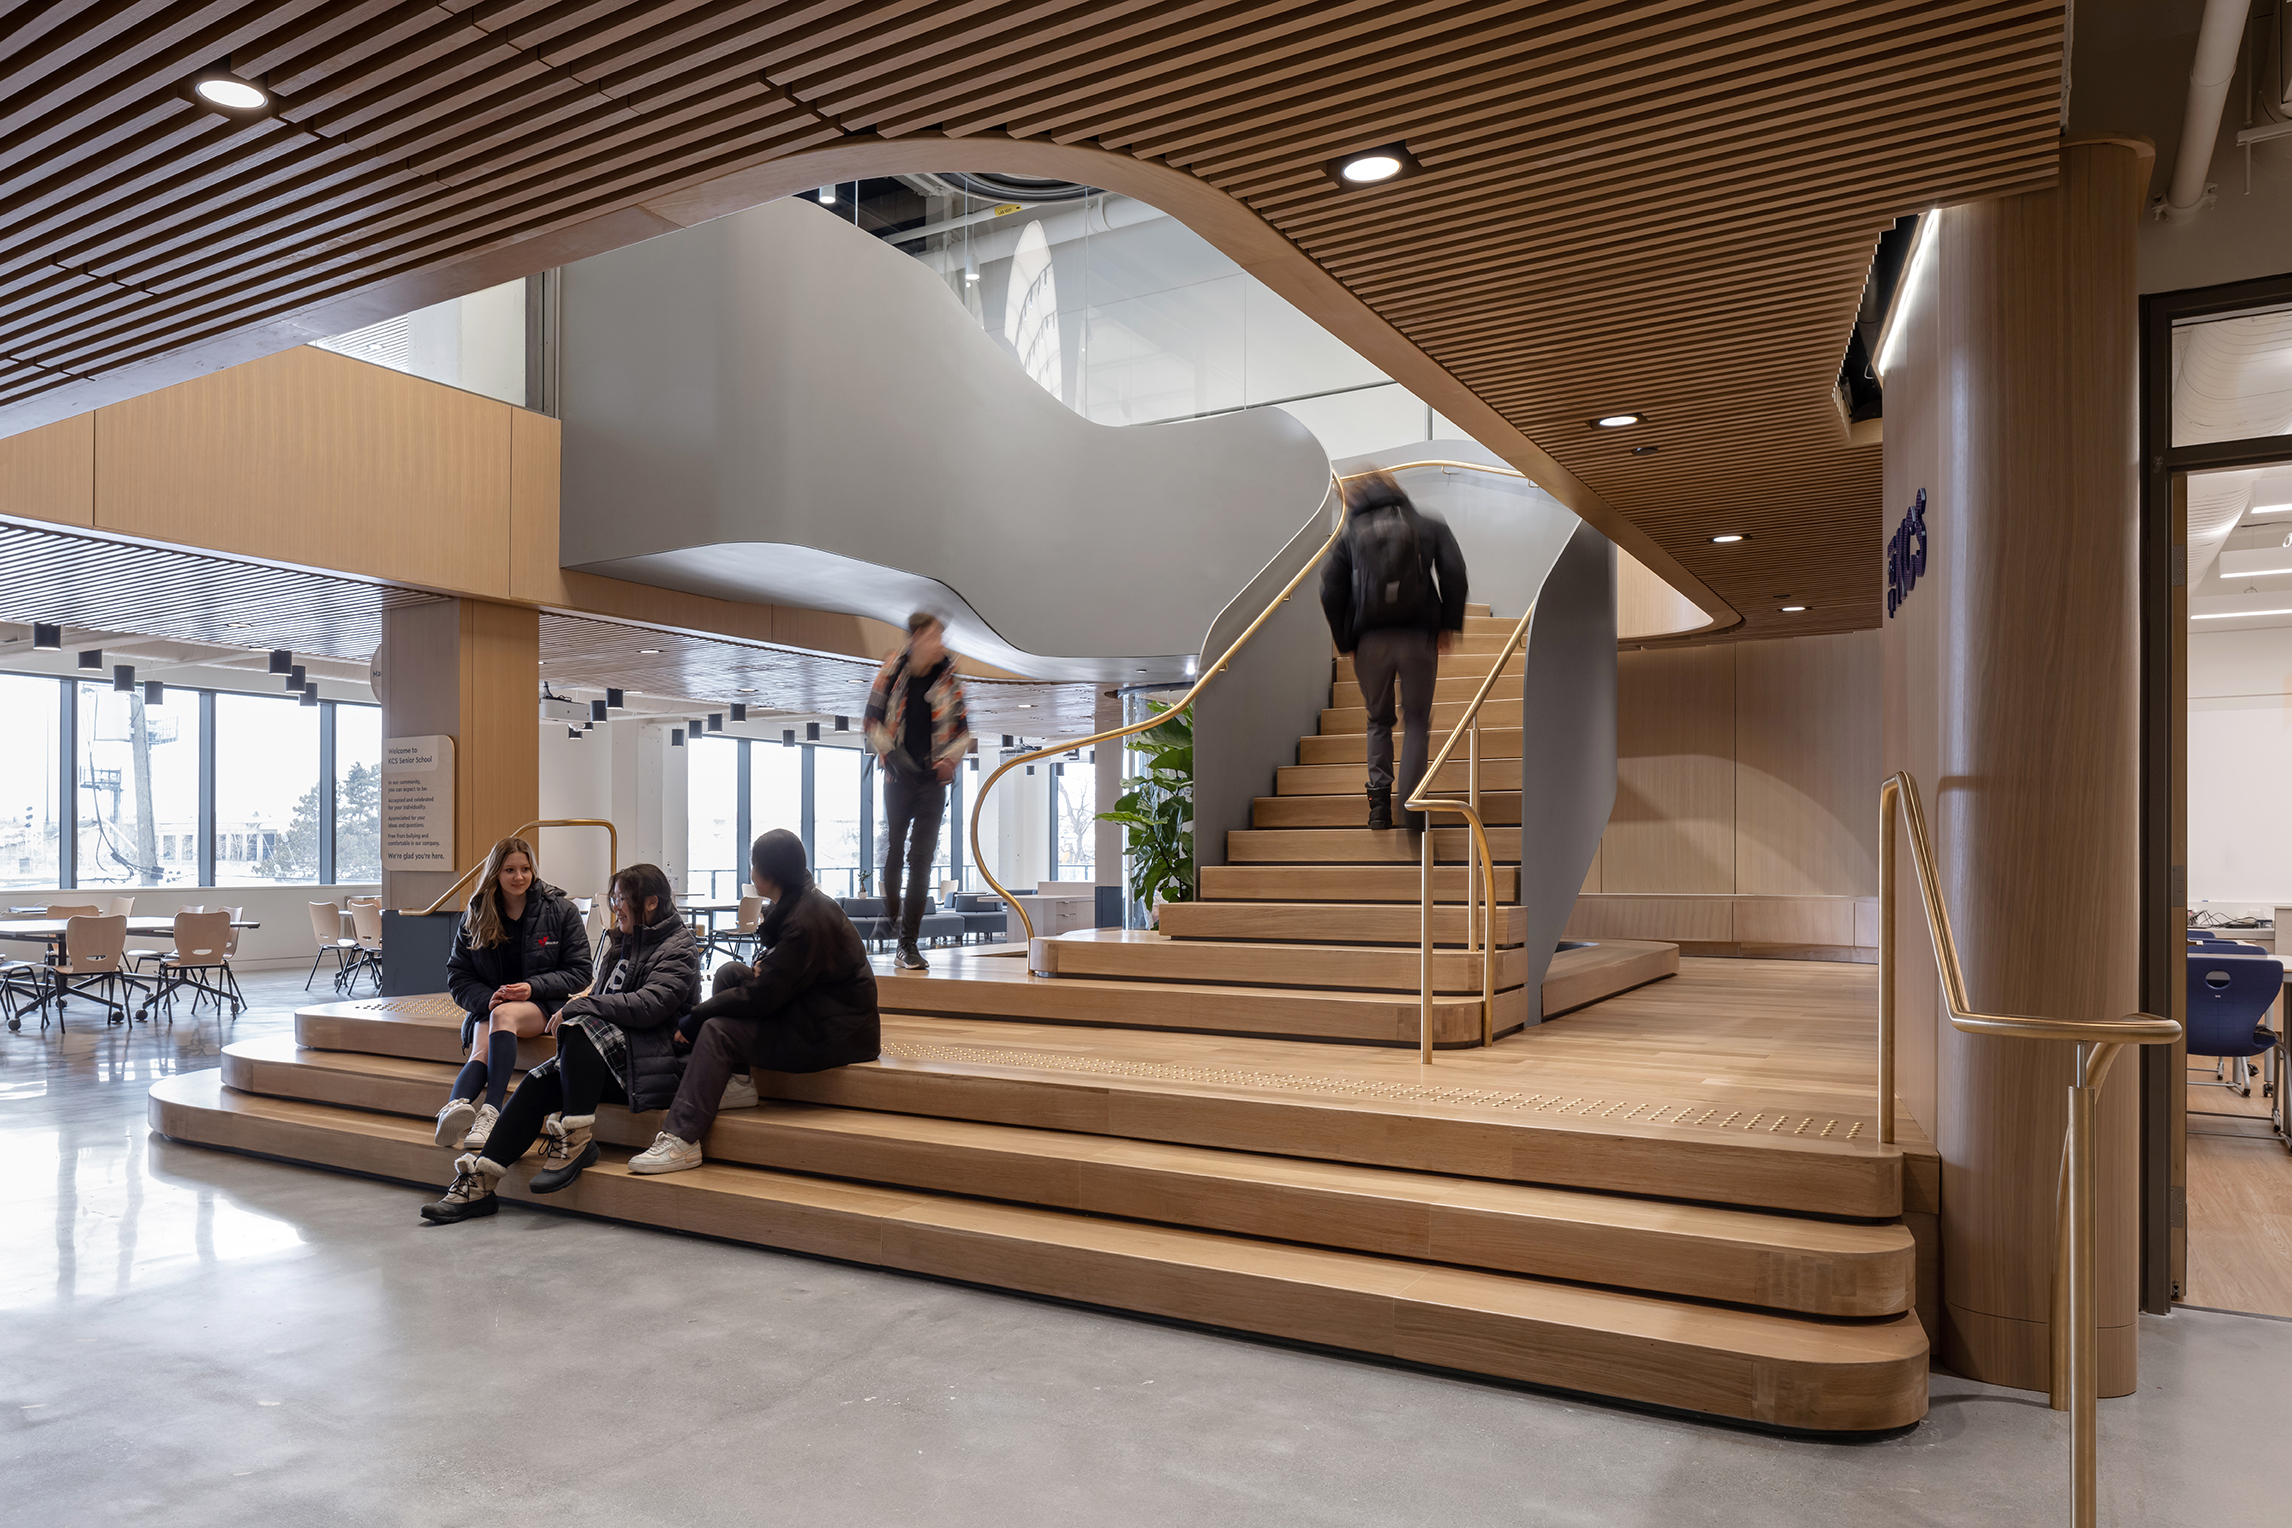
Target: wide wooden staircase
1311,928
1667,1259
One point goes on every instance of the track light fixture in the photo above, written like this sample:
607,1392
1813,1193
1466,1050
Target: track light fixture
716,721
92,658
46,638
123,678
295,678
787,737
811,732
596,710
310,695
613,700
282,660
843,724
739,712
154,693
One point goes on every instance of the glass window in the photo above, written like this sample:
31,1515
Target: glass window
357,794
2232,378
266,791
28,831
475,342
138,782
836,861
712,815
1074,801
775,791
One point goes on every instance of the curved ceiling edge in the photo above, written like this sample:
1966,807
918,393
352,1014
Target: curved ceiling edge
1241,235
784,573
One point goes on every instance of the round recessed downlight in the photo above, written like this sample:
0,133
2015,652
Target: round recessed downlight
230,94
1793,609
1729,539
1368,169
648,651
1616,421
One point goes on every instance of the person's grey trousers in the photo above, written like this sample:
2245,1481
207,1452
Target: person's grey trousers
1412,659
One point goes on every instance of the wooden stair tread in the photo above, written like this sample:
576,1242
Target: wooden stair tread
1353,1111
1344,883
1120,952
1352,747
1469,657
1359,846
1497,711
1353,779
1762,1366
1381,923
1698,1251
1352,811
1345,692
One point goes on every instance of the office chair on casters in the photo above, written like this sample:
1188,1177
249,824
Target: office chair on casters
2228,1001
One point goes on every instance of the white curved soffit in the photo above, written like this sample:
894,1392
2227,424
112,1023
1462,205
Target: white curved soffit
2232,380
775,406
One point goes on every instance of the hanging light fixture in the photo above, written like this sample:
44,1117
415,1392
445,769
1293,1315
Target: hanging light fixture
310,695
676,737
572,734
613,699
716,721
154,693
92,658
739,711
123,678
295,678
787,737
843,724
46,638
596,710
282,659
811,732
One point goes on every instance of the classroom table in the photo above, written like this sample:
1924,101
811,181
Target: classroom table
51,933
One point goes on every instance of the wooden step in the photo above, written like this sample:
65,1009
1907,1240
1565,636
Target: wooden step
1133,955
1353,811
1353,747
1476,625
1343,883
1352,780
1474,607
1344,693
1784,1370
1500,711
1359,846
1330,922
1699,1251
1434,1125
1470,658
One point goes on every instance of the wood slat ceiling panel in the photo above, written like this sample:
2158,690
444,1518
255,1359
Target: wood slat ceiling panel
1665,206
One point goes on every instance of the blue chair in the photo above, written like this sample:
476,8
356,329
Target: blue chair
2230,993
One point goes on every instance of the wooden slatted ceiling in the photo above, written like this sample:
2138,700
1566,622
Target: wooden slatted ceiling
1663,206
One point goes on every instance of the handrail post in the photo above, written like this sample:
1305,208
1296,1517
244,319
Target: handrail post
1888,810
2084,1440
1425,945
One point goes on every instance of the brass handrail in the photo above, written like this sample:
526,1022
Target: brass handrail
612,851
2075,1374
1485,864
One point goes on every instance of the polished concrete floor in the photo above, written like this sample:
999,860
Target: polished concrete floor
190,1337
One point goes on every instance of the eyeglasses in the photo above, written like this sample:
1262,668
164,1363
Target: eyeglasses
617,900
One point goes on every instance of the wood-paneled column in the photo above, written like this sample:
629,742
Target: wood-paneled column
2010,695
469,669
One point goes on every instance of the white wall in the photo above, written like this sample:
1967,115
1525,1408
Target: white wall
2240,767
577,781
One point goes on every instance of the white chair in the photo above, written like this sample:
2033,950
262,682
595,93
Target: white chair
122,907
744,924
93,947
366,920
202,945
326,928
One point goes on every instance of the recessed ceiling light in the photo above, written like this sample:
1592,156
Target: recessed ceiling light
1617,421
1367,169
1729,539
236,625
827,196
1793,609
648,650
228,92
1645,450
1026,705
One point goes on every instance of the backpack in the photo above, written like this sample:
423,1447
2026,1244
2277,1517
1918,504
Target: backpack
1390,585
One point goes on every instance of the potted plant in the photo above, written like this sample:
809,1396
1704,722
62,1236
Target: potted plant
1156,811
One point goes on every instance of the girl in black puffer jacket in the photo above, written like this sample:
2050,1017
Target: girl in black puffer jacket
615,1044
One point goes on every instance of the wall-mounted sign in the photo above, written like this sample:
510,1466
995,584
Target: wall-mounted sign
418,803
1906,555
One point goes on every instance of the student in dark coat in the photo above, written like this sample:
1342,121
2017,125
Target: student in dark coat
808,1005
520,953
616,1043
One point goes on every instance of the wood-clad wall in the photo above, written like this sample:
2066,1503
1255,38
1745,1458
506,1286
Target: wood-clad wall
1746,800
2009,678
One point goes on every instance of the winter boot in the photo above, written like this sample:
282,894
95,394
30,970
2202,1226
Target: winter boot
566,1151
472,1192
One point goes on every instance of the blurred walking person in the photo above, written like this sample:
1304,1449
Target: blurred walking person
917,725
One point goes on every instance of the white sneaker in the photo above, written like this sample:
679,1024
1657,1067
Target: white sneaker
739,1093
454,1122
667,1154
482,1131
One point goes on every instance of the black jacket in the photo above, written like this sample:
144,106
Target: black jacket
661,986
813,985
1444,600
556,958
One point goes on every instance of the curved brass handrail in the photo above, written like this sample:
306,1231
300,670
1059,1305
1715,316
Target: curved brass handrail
2075,1313
1469,809
612,851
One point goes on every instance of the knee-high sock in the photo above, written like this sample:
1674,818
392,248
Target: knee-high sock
472,1080
500,1061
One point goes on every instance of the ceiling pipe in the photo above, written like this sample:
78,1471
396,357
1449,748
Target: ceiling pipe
2218,38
